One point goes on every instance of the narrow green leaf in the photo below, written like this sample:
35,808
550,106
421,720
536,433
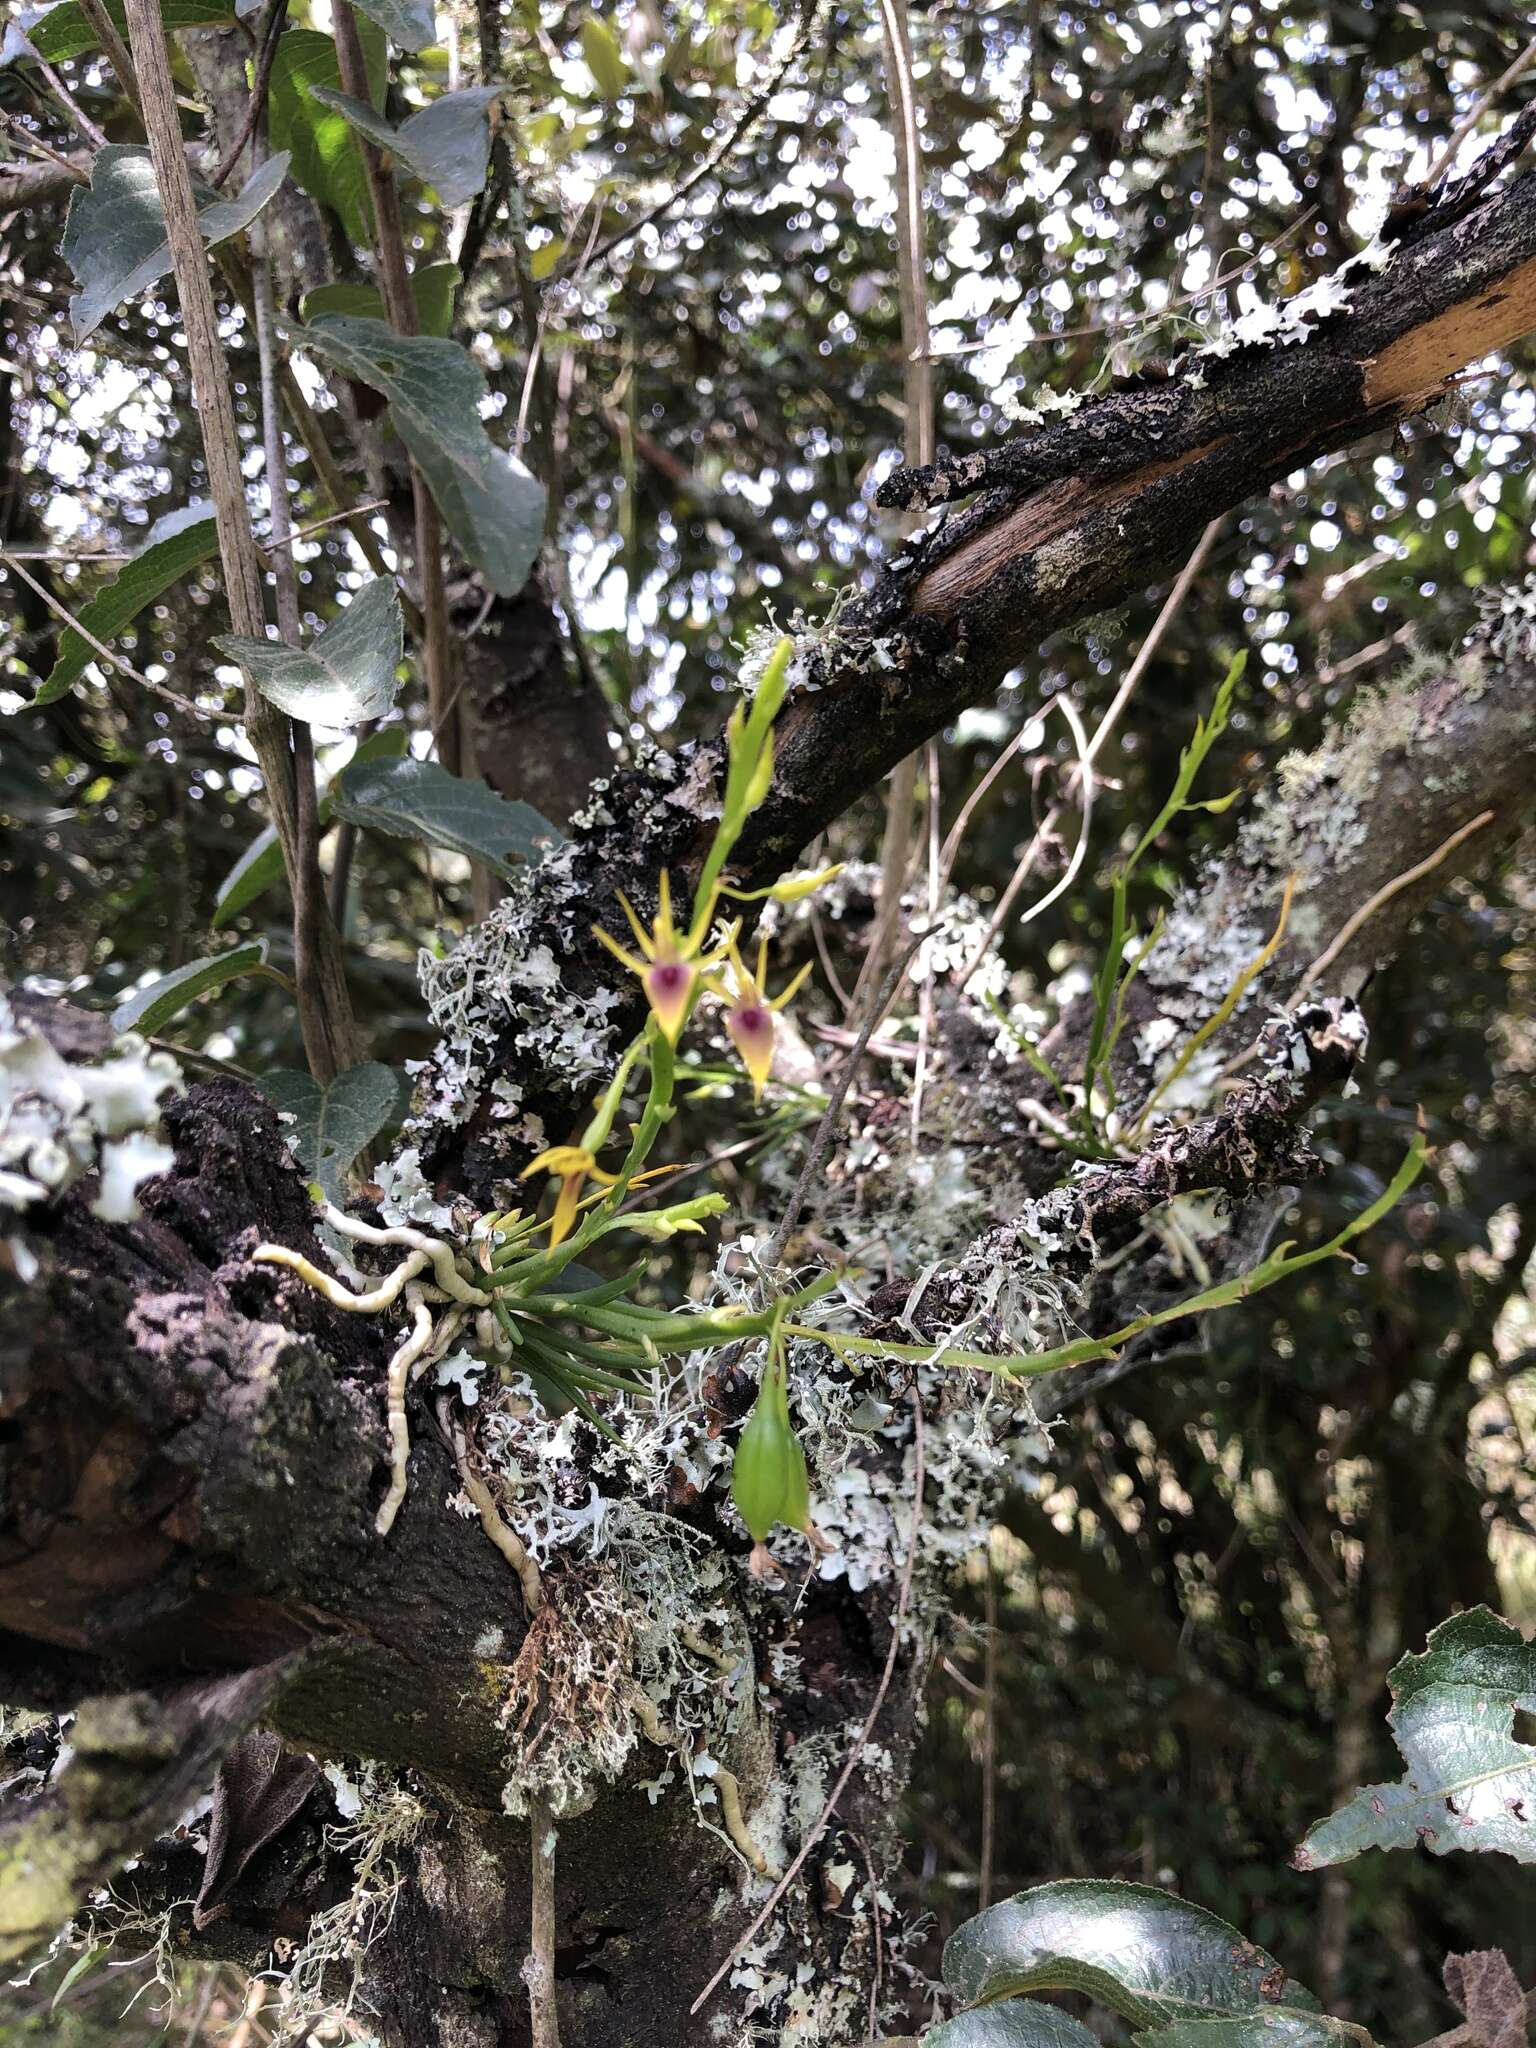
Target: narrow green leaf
76,1971
114,234
327,159
332,1124
1020,2023
1146,1954
421,800
166,998
409,24
491,503
347,674
261,864
447,144
64,31
604,59
176,544
432,287
1469,1784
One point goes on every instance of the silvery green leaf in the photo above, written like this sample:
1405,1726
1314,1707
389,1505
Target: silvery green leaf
1469,1783
149,1008
333,1123
447,144
114,235
493,506
409,24
176,543
1150,1956
1018,2023
345,676
421,800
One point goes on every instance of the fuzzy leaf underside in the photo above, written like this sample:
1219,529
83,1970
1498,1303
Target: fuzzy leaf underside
421,800
176,544
114,234
491,503
447,144
1152,1957
347,674
1469,1783
333,1123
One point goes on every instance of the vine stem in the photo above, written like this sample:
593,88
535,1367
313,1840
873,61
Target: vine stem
325,1010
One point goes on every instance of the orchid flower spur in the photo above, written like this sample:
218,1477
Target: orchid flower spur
669,964
750,1011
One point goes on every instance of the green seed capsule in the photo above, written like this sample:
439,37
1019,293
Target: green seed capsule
769,1482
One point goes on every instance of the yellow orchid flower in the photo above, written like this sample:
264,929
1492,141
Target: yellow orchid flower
573,1166
668,964
750,1011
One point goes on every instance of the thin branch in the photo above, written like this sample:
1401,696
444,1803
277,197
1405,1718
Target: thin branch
325,1013
72,106
745,122
110,655
840,1785
1480,106
1384,894
539,1969
255,107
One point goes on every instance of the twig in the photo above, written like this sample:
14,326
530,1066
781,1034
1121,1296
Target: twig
1384,894
110,655
745,122
72,106
877,1974
828,1125
1480,106
539,1969
1025,867
104,28
925,989
36,145
298,533
255,106
988,1740
840,1785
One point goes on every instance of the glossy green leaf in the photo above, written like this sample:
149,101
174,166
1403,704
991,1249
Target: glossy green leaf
1019,2023
493,506
1150,1956
176,544
345,676
409,24
327,159
261,864
604,59
421,800
1282,2028
332,1124
64,31
447,144
432,287
114,235
1469,1783
152,1007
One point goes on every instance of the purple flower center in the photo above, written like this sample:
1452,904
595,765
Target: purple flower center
670,977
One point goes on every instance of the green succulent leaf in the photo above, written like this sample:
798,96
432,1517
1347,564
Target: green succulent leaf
332,1123
261,864
1469,1783
1151,1957
327,159
176,544
409,24
114,235
150,1008
421,800
447,144
432,287
64,31
1020,2023
491,503
348,673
